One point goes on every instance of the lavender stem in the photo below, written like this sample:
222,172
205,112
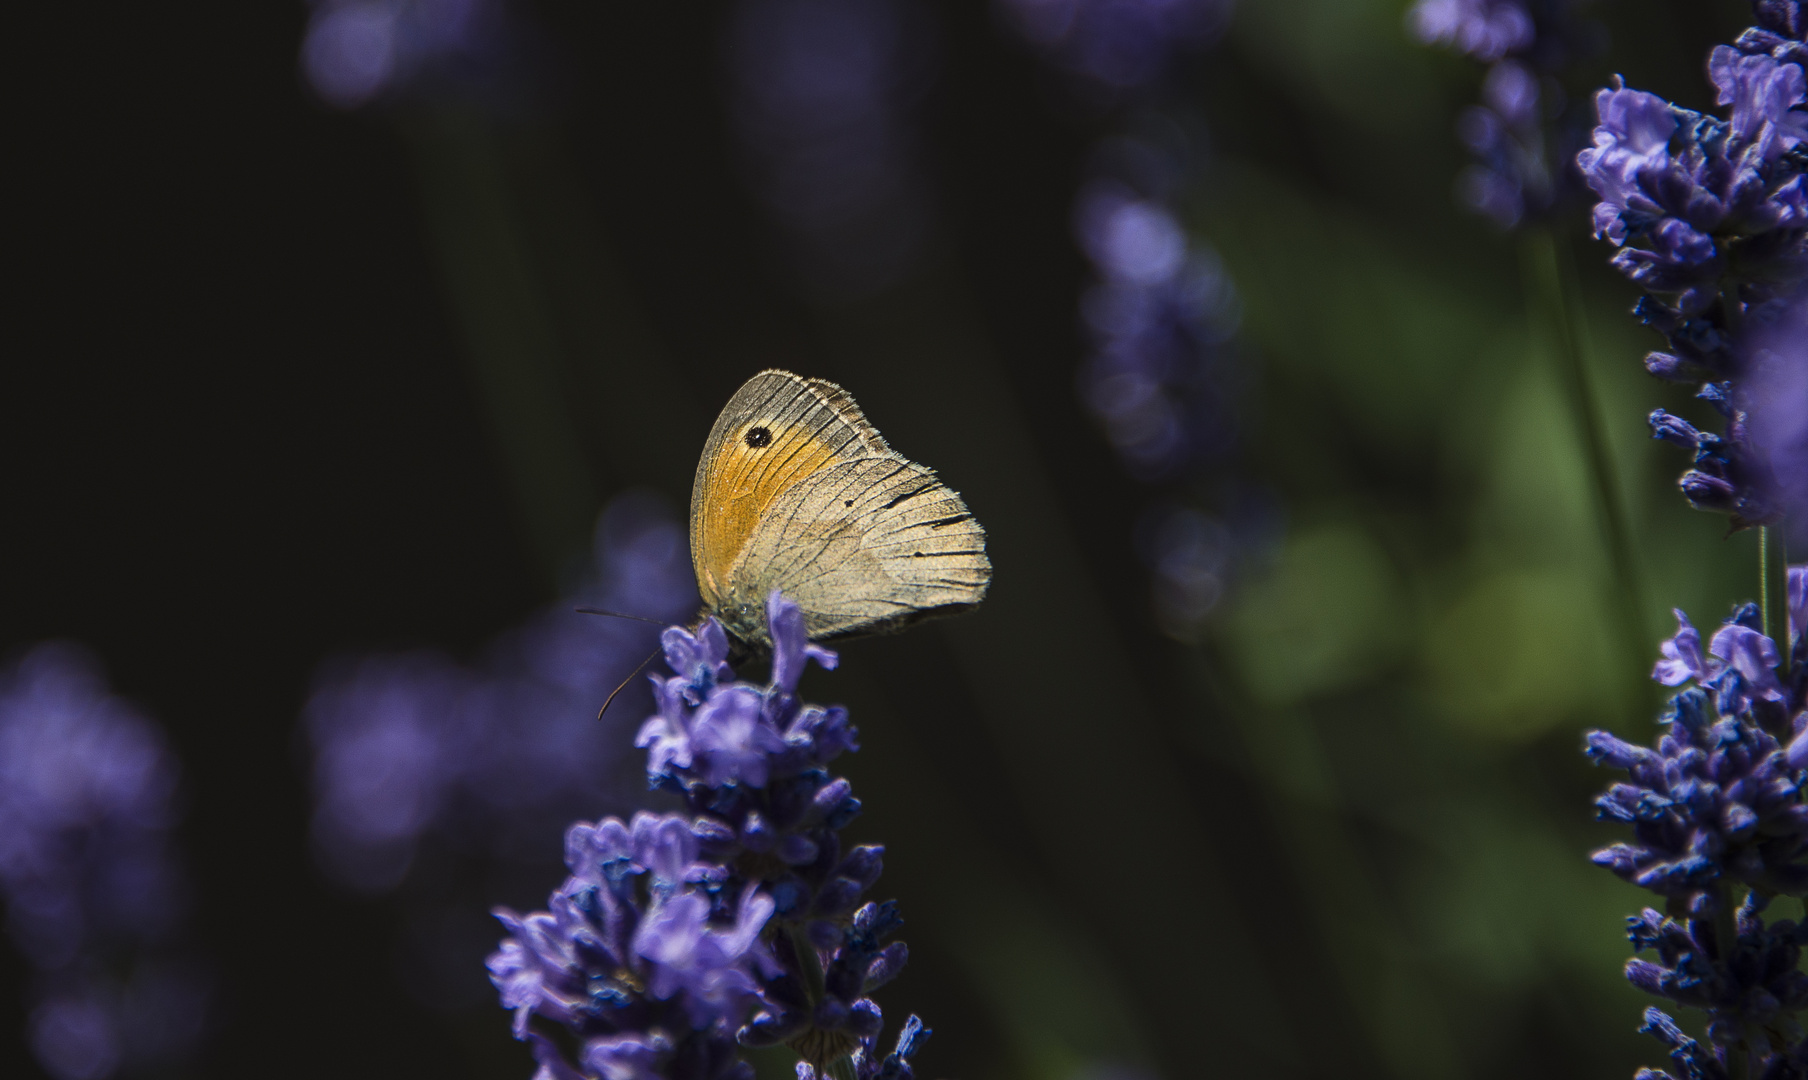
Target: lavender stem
1726,940
1552,289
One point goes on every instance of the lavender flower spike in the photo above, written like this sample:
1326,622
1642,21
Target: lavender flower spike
741,922
1710,217
1717,809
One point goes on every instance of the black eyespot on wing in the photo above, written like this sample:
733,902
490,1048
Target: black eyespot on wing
759,437
847,502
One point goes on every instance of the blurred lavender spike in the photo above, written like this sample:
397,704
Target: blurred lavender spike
1118,47
95,894
1484,29
1778,416
493,757
361,52
1160,315
1525,131
824,97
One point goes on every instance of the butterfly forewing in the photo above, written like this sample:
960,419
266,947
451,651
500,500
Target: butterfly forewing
776,431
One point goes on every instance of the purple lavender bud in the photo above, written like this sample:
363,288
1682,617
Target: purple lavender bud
1674,429
864,1019
863,864
825,732
1672,368
1708,492
711,833
838,897
1606,749
830,798
1682,656
825,934
831,1013
798,850
792,649
1646,976
877,921
886,966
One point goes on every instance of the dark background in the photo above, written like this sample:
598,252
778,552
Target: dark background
241,429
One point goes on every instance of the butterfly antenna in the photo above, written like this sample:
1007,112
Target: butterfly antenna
624,683
618,615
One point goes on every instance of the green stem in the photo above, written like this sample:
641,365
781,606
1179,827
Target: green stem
1773,579
809,965
1726,939
1552,290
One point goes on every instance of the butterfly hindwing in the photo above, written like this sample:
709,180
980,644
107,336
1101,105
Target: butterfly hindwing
865,546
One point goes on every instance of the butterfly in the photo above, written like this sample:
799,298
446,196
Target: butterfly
796,491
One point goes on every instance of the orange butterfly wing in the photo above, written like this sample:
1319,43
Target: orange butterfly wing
776,431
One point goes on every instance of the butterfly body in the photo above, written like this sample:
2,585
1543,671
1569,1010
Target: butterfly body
796,491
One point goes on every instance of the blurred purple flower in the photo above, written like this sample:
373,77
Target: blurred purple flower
1777,398
1484,29
95,895
1521,137
1192,556
490,758
1117,45
1161,317
356,52
824,95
